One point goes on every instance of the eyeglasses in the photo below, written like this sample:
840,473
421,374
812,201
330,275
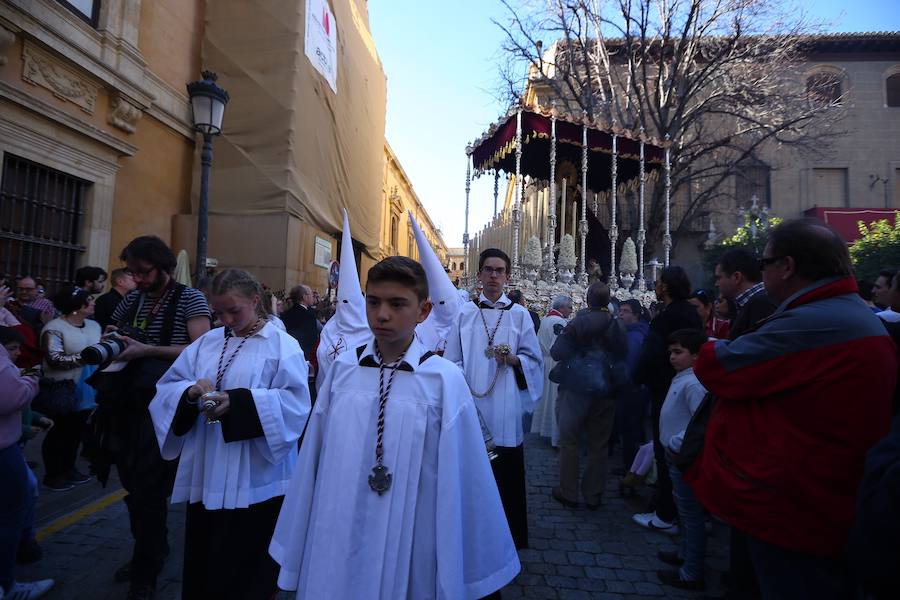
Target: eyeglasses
499,271
764,262
144,273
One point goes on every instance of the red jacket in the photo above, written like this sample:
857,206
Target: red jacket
801,399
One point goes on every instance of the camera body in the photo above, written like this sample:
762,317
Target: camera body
111,345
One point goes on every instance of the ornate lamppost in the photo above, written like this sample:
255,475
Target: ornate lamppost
208,102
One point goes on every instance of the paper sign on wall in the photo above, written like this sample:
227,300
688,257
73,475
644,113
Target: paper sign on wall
321,40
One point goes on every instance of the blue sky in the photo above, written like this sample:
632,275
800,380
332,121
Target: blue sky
441,61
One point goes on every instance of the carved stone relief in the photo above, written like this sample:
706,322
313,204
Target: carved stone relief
123,114
42,69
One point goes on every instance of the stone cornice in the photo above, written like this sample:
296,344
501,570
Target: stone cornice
117,66
90,165
32,103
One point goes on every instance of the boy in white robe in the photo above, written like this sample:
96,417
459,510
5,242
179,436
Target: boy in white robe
494,343
393,496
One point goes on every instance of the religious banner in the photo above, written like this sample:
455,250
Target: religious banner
321,40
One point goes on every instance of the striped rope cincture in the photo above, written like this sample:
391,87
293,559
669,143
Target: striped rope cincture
380,481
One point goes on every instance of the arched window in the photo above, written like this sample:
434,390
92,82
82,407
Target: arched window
395,233
825,87
892,89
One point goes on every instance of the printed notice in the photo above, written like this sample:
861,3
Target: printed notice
321,40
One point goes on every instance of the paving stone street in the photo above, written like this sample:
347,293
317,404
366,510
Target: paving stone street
574,554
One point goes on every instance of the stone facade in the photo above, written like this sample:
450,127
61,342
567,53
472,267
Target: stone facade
456,265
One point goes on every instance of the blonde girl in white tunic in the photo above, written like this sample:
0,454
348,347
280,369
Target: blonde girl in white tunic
232,407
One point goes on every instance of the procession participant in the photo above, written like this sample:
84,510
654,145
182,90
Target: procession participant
232,406
347,328
544,422
445,299
494,343
392,496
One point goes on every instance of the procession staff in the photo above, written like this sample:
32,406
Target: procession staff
392,496
232,407
494,343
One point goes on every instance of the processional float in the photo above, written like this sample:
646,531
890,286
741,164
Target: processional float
615,164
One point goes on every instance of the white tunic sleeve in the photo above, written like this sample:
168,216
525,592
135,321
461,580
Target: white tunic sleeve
169,389
532,359
283,407
289,540
475,551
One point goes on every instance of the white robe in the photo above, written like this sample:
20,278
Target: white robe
544,422
236,474
504,407
439,532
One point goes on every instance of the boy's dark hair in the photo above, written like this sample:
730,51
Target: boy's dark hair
402,270
8,335
85,274
70,298
494,253
150,249
702,296
690,339
515,296
887,274
865,289
678,284
635,307
740,260
597,295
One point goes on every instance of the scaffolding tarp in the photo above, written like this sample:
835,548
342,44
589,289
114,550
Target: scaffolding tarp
289,143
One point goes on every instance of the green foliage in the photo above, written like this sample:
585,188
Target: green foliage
741,238
878,248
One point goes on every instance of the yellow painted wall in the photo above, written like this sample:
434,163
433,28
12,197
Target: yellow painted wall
170,38
152,185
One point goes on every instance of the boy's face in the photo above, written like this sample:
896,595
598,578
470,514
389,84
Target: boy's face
393,311
14,349
493,276
680,357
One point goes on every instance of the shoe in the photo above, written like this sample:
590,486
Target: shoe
651,521
557,495
673,578
76,477
28,590
58,484
123,573
141,591
29,552
670,558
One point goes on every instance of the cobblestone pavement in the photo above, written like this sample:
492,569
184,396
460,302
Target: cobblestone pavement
574,554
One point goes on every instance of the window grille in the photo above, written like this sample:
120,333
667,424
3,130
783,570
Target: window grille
41,215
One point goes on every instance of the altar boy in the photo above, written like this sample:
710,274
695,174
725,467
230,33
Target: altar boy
392,495
494,343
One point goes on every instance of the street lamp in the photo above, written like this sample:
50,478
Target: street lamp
208,102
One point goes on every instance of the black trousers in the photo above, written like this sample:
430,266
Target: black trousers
60,447
509,473
226,552
148,479
664,502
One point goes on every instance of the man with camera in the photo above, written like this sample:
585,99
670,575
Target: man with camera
154,323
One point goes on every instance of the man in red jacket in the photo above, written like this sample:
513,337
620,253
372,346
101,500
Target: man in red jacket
802,397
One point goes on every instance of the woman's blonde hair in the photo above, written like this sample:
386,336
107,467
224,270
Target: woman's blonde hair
242,282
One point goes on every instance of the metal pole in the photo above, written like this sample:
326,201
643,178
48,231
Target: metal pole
613,227
203,210
516,215
466,232
642,234
667,236
551,275
582,269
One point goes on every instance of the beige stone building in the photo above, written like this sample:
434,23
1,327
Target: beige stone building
97,145
399,199
456,265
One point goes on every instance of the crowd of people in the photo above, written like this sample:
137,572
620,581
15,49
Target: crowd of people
379,454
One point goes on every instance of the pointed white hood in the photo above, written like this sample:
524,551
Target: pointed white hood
444,296
348,328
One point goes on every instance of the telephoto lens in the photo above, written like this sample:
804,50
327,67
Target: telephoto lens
103,351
